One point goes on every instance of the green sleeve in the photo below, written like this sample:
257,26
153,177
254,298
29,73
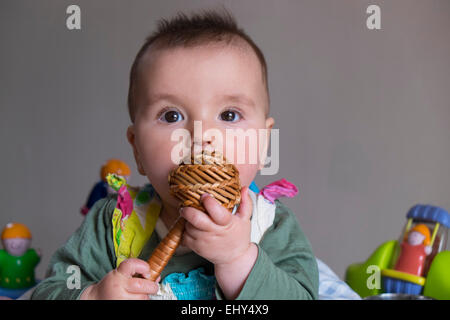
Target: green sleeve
286,267
90,249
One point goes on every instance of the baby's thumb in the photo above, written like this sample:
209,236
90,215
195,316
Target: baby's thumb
246,206
132,267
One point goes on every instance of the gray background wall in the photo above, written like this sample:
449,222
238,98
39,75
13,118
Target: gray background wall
364,115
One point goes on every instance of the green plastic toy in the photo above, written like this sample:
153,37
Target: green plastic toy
17,261
416,264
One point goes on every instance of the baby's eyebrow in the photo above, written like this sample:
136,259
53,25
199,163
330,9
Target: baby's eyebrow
239,99
227,98
155,97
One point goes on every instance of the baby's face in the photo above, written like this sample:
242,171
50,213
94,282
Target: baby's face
220,86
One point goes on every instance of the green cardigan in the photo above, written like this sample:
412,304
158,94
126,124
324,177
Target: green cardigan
285,268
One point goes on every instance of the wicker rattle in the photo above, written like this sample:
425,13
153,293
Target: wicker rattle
205,173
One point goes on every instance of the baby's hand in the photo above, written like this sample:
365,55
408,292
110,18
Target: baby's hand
218,236
122,283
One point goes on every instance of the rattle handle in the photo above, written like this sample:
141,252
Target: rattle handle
165,250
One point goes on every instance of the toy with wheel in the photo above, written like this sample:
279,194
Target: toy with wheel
415,265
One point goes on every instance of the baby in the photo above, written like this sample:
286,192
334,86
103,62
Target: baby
193,70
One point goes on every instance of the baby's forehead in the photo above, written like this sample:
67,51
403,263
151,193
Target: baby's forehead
151,61
234,45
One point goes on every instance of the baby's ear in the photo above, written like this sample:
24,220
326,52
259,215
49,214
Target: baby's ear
131,136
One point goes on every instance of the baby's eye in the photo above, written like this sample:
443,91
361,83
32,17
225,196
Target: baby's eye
170,116
230,115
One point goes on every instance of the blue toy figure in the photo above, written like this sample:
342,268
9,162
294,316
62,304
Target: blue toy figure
101,188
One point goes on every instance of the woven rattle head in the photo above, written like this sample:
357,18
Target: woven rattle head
206,172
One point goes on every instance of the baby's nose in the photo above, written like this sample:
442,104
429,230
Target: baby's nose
200,141
203,138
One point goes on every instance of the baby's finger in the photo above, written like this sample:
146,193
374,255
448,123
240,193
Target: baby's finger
245,209
133,266
197,218
188,240
141,286
194,232
217,212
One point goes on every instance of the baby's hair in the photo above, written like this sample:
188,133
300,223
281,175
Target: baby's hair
187,31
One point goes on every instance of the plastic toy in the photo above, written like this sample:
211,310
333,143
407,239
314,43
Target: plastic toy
101,188
209,173
415,265
17,261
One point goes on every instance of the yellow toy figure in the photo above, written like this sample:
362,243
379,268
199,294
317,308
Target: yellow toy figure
101,188
17,260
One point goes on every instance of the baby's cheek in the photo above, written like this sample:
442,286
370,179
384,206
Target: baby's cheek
158,177
247,173
245,149
157,156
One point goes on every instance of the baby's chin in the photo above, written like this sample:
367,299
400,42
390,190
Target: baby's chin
247,173
168,199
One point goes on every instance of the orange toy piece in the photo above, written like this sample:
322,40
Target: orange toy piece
16,230
203,173
115,166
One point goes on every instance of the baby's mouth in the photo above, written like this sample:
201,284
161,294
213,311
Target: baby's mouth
204,156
